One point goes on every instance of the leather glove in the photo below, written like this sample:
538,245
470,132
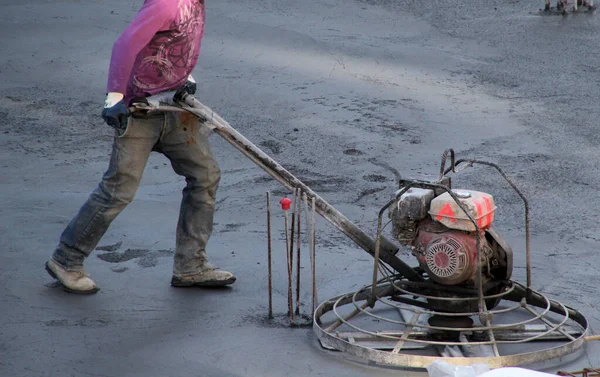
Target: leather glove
115,111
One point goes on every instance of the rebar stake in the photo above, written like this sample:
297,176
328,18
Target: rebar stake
291,251
269,253
298,204
310,254
285,205
314,255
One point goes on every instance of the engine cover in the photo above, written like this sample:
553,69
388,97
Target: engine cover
449,257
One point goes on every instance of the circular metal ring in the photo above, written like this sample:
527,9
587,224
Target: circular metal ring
562,327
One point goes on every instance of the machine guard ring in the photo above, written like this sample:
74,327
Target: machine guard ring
571,341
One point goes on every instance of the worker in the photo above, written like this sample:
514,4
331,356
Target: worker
155,54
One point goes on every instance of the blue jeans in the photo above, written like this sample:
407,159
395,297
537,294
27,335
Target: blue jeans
178,136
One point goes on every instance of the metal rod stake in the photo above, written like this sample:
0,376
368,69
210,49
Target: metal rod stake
298,201
373,297
309,242
269,253
314,252
289,268
291,253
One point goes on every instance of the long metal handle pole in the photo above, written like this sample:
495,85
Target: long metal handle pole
289,181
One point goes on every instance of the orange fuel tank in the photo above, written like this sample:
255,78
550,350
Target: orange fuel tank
479,205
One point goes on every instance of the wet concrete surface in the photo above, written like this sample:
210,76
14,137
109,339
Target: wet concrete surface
347,95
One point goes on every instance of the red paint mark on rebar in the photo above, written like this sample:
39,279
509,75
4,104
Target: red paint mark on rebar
446,211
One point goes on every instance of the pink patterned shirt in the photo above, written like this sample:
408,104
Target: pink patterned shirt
159,49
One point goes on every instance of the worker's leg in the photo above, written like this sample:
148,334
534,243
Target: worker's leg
129,156
189,152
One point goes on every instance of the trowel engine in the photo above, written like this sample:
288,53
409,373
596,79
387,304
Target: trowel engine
444,239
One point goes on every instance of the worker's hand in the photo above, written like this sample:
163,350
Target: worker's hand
115,112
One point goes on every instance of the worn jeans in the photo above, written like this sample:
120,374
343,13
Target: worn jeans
180,138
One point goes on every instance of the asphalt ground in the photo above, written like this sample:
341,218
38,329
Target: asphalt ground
346,95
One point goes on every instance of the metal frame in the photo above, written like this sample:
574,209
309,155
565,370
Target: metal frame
571,340
388,291
454,168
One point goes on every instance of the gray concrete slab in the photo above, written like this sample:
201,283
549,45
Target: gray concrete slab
332,89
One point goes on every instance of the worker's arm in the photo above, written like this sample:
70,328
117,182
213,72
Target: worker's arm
155,15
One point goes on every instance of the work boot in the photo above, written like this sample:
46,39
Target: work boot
208,276
73,281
